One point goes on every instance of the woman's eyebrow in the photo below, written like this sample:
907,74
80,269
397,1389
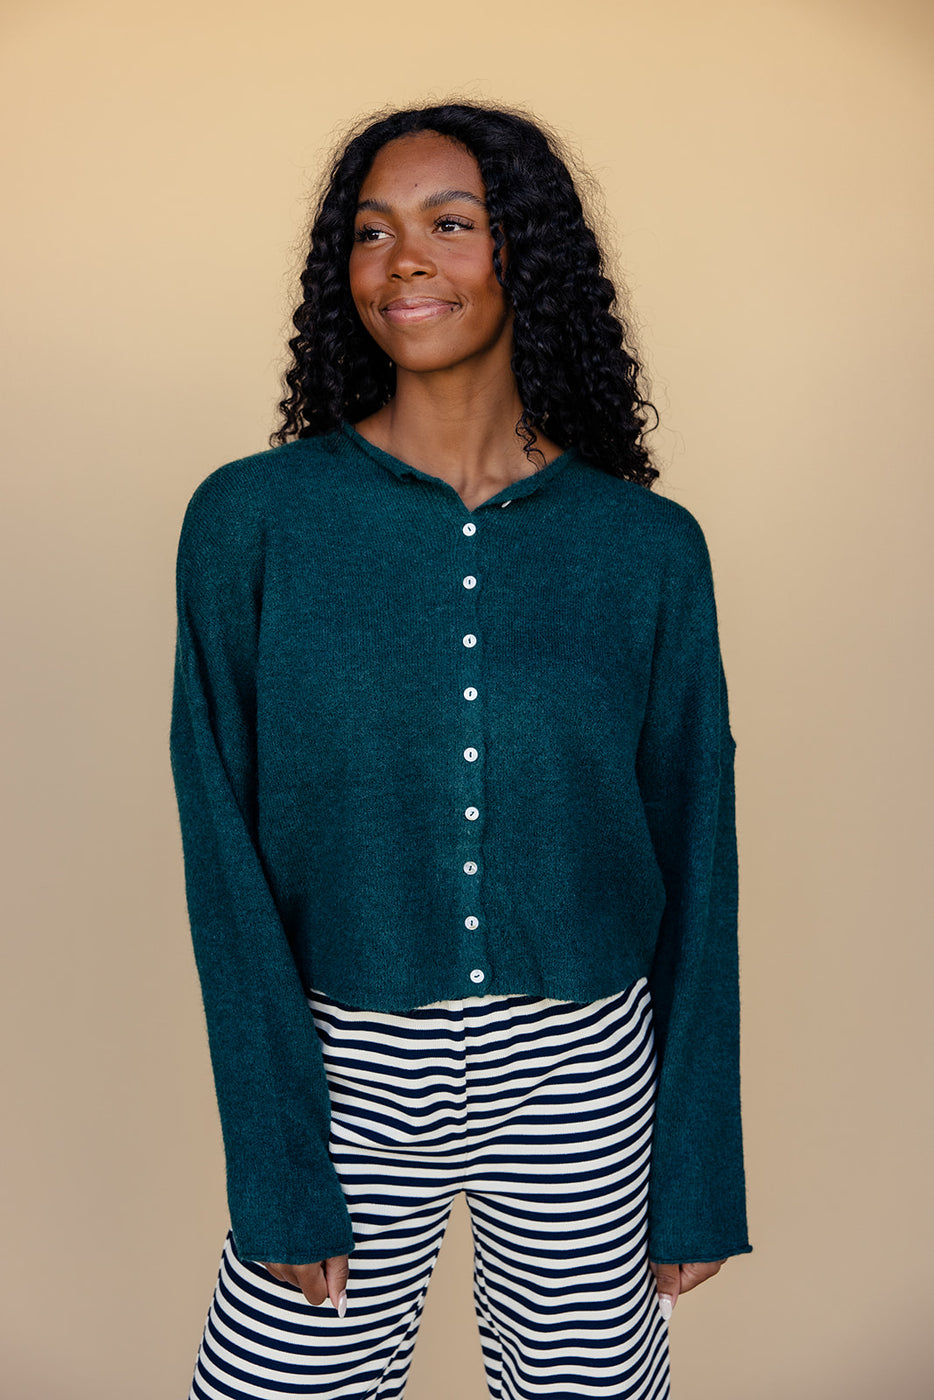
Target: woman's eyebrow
450,197
431,201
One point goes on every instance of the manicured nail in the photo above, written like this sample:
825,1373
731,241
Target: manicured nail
342,1303
665,1305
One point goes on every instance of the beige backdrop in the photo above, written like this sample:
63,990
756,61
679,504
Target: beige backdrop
766,167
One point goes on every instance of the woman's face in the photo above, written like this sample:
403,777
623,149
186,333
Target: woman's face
421,269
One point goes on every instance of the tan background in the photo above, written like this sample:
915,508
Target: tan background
766,167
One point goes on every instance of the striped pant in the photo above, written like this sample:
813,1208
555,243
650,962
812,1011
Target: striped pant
541,1112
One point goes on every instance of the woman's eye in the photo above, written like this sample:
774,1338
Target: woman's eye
367,233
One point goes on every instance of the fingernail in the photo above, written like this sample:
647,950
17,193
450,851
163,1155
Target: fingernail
665,1305
342,1303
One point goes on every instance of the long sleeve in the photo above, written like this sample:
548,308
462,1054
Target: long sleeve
685,767
284,1196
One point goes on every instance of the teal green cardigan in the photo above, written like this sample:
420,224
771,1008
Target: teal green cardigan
423,753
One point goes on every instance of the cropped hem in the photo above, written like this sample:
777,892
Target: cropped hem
700,1256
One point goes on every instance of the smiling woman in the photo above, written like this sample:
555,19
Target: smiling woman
456,794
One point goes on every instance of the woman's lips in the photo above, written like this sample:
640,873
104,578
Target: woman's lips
407,310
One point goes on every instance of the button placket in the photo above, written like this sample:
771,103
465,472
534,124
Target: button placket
467,582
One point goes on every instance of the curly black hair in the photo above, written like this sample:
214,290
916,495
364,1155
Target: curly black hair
577,375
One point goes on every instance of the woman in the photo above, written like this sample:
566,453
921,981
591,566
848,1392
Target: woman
456,793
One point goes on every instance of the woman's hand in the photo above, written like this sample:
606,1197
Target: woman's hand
674,1279
319,1282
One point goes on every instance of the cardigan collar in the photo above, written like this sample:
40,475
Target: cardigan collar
523,487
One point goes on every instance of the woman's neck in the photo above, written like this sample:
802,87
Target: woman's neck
464,434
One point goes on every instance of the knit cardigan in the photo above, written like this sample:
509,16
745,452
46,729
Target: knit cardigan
423,753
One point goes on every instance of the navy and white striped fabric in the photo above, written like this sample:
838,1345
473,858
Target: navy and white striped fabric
541,1112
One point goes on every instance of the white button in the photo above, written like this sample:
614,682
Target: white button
477,975
470,528
504,504
471,755
470,581
471,922
470,867
470,640
472,814
470,693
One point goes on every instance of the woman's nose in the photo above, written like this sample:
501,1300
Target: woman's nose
411,256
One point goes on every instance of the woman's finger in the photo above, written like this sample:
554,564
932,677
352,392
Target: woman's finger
335,1273
309,1278
668,1285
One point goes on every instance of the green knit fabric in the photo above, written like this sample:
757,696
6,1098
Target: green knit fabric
350,635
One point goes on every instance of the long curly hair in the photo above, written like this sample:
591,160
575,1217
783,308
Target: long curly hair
577,375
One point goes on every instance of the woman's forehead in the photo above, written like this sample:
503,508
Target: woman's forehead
421,159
